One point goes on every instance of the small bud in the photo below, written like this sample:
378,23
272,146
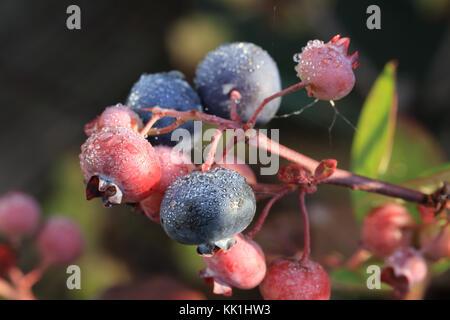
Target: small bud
325,169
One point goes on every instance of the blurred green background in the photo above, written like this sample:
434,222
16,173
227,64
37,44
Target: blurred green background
53,81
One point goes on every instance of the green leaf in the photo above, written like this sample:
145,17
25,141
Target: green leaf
441,266
409,163
373,140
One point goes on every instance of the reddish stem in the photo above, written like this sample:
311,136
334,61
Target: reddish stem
251,123
307,241
235,96
194,115
150,123
169,128
340,177
262,218
212,151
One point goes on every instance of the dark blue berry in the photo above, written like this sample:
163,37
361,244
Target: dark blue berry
242,66
207,208
165,89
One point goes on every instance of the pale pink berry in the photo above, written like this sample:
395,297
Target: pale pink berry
119,165
174,164
327,68
115,116
292,279
403,269
60,241
385,229
242,266
19,215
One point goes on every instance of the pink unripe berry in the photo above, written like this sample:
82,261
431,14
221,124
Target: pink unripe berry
327,67
403,269
291,279
384,229
60,241
173,164
242,266
115,116
241,168
119,165
19,215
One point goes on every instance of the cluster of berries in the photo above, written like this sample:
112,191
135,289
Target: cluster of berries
209,206
59,241
389,232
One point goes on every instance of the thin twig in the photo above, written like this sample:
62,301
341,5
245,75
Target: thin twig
251,123
262,217
307,236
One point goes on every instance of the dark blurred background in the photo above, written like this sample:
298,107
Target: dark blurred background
54,80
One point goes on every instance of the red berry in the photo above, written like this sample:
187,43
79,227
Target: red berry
243,266
403,269
383,229
174,164
435,242
290,279
327,67
60,241
119,165
241,168
19,215
115,116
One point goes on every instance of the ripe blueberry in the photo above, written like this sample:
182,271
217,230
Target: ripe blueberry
174,164
240,66
119,165
243,266
207,208
167,90
114,116
327,67
290,279
241,168
384,229
19,215
60,241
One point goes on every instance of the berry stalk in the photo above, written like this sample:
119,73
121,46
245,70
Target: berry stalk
212,151
340,177
262,218
251,123
307,241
